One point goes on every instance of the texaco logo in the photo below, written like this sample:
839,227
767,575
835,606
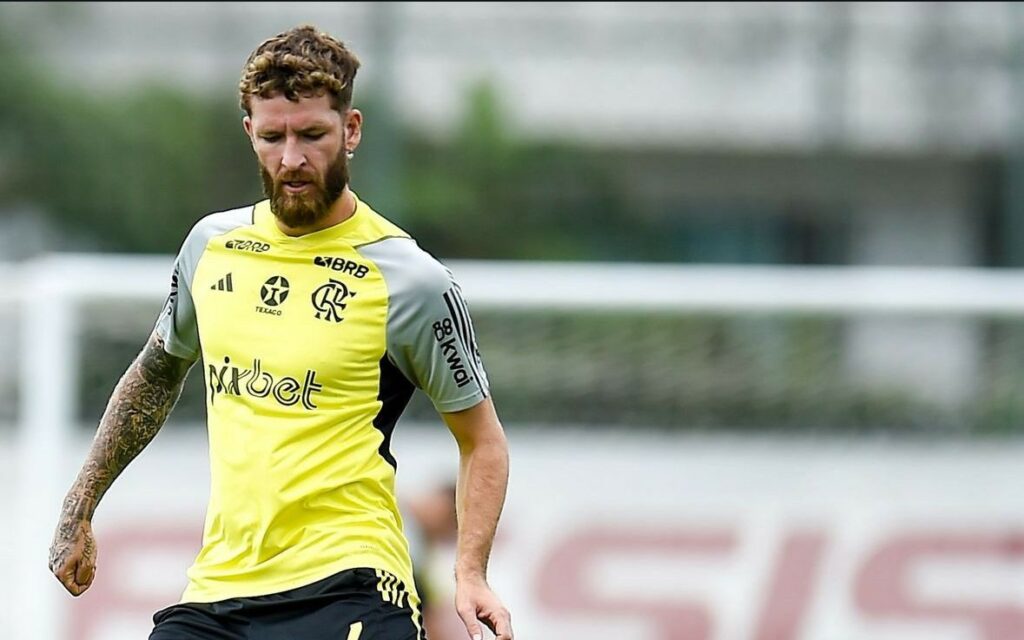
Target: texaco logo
329,300
274,291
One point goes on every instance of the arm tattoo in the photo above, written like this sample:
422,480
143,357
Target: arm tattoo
137,409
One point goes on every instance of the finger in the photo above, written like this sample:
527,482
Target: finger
472,626
66,576
501,624
85,572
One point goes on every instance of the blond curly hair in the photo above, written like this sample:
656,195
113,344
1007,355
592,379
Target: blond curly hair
300,62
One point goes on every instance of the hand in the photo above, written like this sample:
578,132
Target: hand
476,603
73,555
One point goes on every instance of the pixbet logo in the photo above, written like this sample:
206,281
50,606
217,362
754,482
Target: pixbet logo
234,381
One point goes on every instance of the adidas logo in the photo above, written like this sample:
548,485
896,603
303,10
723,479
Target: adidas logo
224,284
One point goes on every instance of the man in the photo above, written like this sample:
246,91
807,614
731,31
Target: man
432,530
315,318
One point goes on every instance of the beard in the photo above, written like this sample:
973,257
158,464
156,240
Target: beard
297,210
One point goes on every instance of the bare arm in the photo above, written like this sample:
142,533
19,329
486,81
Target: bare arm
480,497
137,409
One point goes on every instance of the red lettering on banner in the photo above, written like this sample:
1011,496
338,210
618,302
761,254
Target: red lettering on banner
563,585
792,587
883,586
111,591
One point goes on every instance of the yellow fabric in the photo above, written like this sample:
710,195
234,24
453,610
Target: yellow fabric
299,490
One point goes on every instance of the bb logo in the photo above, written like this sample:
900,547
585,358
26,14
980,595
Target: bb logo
329,300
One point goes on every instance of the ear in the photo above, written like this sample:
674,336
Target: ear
353,124
247,125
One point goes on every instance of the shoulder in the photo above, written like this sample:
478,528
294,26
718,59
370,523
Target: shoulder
218,223
208,227
408,270
371,227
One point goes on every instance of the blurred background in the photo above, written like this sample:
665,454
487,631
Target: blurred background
745,278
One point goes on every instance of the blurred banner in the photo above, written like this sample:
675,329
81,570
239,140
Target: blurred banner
639,537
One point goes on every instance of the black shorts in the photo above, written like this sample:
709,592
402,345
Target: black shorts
358,604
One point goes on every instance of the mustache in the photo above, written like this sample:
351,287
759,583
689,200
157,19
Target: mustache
296,176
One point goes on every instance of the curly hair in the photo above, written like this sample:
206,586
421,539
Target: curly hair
300,62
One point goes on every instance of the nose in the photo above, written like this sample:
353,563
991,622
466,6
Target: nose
293,157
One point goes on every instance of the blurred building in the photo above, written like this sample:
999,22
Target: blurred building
776,132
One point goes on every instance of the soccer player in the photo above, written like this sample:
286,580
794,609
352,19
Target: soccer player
315,318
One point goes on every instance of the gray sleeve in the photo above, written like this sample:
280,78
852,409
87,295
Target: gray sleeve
430,336
176,324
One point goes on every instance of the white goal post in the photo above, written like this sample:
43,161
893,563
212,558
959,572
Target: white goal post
49,292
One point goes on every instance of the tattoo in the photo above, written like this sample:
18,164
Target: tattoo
137,409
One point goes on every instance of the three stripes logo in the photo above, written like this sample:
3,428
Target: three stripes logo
391,589
224,284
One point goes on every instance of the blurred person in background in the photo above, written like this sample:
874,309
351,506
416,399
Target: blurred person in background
432,530
315,318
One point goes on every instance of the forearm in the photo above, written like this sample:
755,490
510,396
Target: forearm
137,408
480,497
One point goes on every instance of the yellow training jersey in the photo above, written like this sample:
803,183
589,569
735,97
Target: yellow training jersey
311,349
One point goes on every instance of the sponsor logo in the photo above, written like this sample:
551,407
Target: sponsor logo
172,297
342,265
444,333
247,245
231,380
329,300
273,292
224,284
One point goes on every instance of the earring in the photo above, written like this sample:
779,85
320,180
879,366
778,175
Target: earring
350,154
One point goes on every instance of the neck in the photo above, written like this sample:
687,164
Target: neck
342,209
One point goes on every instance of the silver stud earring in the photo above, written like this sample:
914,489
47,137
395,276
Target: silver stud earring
350,154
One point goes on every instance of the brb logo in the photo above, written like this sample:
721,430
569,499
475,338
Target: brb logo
234,381
342,265
329,300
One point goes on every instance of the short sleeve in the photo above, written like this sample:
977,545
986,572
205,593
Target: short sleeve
176,325
430,334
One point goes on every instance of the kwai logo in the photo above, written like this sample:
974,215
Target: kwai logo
231,380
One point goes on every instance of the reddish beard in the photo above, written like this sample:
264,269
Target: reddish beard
297,210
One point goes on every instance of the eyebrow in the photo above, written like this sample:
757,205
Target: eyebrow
316,126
